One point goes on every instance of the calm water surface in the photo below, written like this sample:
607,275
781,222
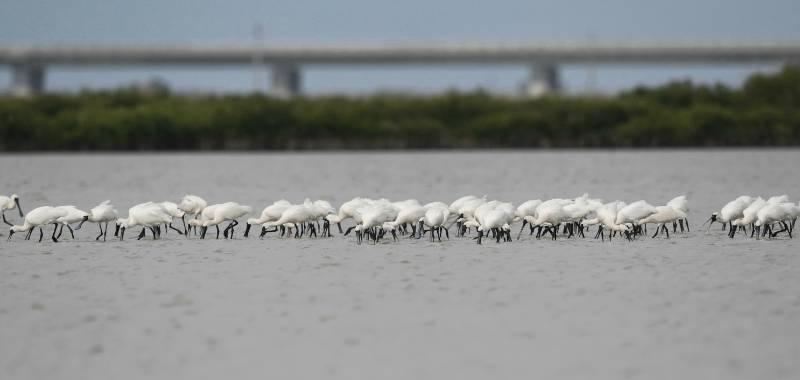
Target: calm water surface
696,306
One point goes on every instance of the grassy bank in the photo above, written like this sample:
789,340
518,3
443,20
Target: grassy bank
765,111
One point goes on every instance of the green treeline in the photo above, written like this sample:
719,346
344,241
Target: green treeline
765,111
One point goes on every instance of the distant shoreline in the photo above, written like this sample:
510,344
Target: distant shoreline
764,112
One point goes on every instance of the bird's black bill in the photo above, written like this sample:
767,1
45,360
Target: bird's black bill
85,218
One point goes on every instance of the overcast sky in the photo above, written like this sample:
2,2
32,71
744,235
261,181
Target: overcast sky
111,21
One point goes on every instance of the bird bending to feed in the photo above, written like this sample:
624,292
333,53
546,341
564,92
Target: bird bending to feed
373,219
148,215
39,217
73,215
175,212
220,213
192,205
103,213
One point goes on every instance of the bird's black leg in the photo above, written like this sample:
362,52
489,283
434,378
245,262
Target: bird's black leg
5,221
141,234
174,229
70,231
101,232
225,231
217,230
55,239
524,222
233,225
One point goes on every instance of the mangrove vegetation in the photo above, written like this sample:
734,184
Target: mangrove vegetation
764,111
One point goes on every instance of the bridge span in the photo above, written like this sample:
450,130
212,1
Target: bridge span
29,63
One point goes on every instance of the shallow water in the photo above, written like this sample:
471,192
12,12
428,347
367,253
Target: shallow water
696,306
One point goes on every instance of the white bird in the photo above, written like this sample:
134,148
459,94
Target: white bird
633,213
466,212
662,216
680,203
321,209
495,220
436,214
148,215
292,217
550,214
39,217
579,210
229,211
10,203
731,211
606,218
74,215
525,210
372,217
348,210
270,213
749,216
456,205
175,212
409,214
103,213
192,205
773,213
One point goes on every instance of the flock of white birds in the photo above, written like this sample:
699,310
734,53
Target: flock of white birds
375,218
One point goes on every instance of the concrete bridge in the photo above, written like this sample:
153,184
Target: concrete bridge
28,63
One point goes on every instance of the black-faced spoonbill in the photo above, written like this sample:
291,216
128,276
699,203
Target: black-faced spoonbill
662,216
229,211
39,217
173,210
731,211
148,215
103,213
680,203
10,203
749,216
775,213
436,214
270,213
192,205
74,215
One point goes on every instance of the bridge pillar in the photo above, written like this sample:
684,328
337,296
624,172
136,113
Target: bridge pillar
543,80
27,79
286,80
